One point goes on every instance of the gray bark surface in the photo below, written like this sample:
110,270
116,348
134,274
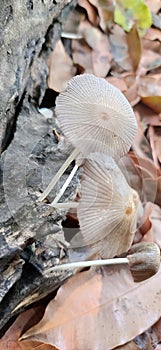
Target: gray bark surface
31,235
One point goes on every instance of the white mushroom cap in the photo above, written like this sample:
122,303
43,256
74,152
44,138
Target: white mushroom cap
95,116
107,208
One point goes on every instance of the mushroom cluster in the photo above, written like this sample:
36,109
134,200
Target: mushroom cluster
99,122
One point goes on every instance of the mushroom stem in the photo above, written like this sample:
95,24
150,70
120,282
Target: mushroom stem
60,172
64,205
67,182
79,264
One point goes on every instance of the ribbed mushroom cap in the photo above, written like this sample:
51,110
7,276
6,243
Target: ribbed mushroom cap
95,116
107,208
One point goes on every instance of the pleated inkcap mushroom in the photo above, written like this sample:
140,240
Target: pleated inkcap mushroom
107,210
95,116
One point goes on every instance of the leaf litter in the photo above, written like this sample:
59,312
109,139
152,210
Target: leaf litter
104,308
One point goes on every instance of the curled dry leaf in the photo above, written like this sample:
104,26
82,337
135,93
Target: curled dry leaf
61,68
76,318
91,11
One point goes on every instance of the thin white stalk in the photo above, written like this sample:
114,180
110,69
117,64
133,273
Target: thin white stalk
71,35
79,264
60,172
67,182
64,205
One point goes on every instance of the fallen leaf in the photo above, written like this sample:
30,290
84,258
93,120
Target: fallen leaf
132,91
156,20
94,309
153,33
91,11
154,6
154,102
25,320
118,82
61,68
155,141
119,48
150,85
101,55
106,12
82,55
134,44
72,22
147,115
129,12
151,178
155,218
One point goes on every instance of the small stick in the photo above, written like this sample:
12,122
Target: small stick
67,182
60,172
88,263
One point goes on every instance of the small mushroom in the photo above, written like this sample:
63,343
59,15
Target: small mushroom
108,208
144,260
95,116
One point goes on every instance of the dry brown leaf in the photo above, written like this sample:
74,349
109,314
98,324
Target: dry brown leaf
155,141
153,34
154,102
106,12
27,319
119,48
155,218
118,82
154,6
147,115
91,11
134,44
61,68
151,178
101,55
94,310
132,91
150,85
82,55
72,22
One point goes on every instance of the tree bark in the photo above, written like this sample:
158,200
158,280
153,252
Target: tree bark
31,235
